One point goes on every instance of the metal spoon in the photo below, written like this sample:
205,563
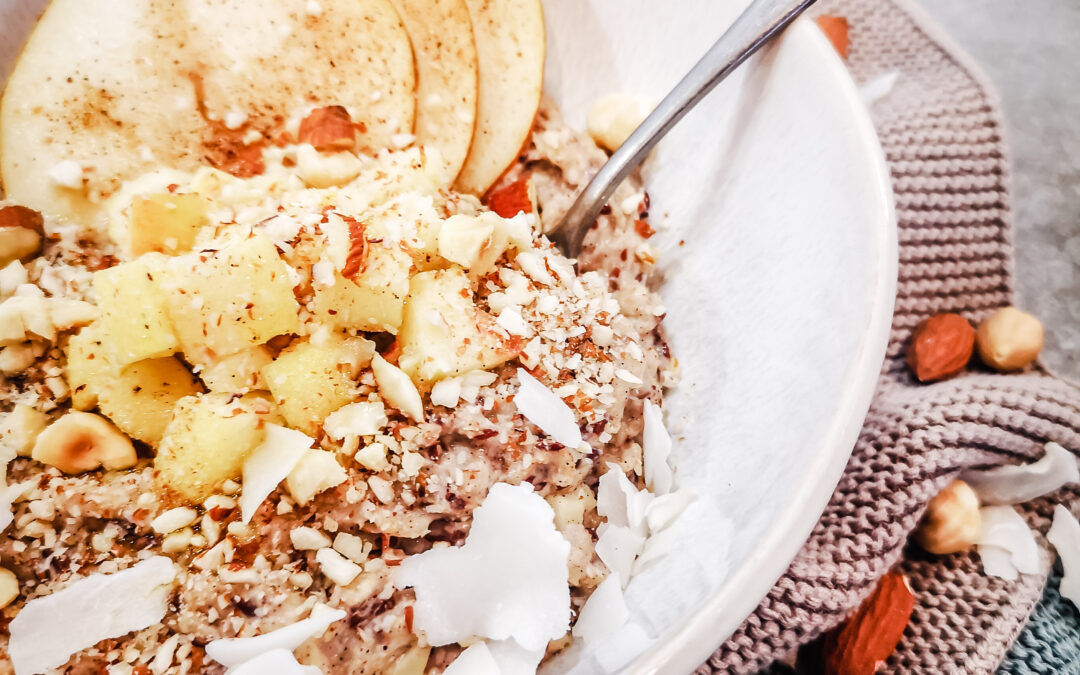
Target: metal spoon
758,24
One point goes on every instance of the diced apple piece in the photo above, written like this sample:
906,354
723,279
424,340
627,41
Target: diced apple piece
133,322
463,237
206,444
373,299
444,334
307,382
166,223
225,301
87,367
140,398
239,372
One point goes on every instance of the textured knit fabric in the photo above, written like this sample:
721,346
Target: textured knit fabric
942,137
1050,642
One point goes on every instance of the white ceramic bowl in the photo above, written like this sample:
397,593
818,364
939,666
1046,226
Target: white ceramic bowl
779,301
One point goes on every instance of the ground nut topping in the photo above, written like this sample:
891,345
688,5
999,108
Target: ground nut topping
337,359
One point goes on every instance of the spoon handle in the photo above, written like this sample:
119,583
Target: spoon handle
760,22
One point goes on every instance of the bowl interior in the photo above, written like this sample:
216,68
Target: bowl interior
778,301
780,259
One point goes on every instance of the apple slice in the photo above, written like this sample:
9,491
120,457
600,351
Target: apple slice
98,97
510,51
446,79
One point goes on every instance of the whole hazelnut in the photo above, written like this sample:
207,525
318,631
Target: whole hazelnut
951,522
1009,339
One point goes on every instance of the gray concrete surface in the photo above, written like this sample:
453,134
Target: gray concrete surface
1031,51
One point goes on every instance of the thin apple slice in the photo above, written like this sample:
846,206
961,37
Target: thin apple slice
446,79
510,50
98,97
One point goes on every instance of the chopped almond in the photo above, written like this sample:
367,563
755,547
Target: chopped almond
329,129
517,197
356,260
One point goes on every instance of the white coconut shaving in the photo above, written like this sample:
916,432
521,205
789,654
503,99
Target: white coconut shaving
476,660
618,500
234,652
1006,544
604,612
632,538
513,659
879,87
50,629
1064,534
663,511
618,547
656,446
618,649
269,464
274,662
509,580
1016,484
546,410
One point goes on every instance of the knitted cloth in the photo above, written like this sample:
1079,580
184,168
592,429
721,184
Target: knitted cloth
1050,642
942,137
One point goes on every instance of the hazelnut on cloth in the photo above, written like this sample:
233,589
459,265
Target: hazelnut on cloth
1009,340
951,522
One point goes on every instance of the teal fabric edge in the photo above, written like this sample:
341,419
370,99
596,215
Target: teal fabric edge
1050,642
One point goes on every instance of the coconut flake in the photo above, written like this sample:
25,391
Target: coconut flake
997,562
513,659
618,649
1004,529
509,580
879,87
617,548
1016,484
274,662
604,612
546,410
269,464
618,500
1064,534
50,629
658,545
232,652
662,511
656,446
476,660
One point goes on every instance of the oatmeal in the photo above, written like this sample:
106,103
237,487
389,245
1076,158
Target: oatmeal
288,384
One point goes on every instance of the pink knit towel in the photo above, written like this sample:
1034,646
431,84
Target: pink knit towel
942,135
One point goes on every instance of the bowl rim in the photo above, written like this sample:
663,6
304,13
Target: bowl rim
703,631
